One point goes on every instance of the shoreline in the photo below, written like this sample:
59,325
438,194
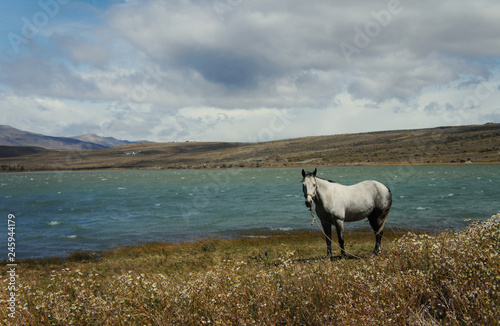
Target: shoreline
361,233
252,167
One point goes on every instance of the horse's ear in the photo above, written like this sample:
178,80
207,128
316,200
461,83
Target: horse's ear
303,173
314,173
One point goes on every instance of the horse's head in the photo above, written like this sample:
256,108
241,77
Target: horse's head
309,186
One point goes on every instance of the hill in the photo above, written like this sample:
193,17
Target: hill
13,151
14,137
104,141
443,145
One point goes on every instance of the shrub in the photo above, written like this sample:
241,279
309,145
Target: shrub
449,278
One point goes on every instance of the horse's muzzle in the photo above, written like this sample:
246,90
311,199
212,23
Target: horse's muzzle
308,204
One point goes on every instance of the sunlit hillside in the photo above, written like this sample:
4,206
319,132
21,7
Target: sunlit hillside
444,145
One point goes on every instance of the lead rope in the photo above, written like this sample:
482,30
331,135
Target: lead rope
314,220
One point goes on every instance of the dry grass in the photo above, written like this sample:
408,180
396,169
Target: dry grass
448,278
477,144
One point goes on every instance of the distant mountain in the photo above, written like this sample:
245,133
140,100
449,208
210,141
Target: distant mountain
104,141
14,137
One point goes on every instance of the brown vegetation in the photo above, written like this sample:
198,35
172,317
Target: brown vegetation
465,144
450,278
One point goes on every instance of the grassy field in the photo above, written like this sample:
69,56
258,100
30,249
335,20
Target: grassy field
269,279
446,145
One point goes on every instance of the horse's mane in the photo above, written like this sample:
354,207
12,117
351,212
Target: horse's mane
308,174
326,180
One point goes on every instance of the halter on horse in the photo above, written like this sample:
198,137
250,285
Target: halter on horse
336,204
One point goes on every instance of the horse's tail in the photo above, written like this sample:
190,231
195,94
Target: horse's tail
385,212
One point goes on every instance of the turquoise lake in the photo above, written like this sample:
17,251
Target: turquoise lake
61,212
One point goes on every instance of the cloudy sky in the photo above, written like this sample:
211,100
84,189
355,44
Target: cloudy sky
247,70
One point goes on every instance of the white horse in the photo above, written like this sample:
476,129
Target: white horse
336,204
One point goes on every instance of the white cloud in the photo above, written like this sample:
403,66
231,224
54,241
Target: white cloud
185,69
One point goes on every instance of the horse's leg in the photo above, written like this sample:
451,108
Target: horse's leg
339,226
327,227
378,240
377,219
